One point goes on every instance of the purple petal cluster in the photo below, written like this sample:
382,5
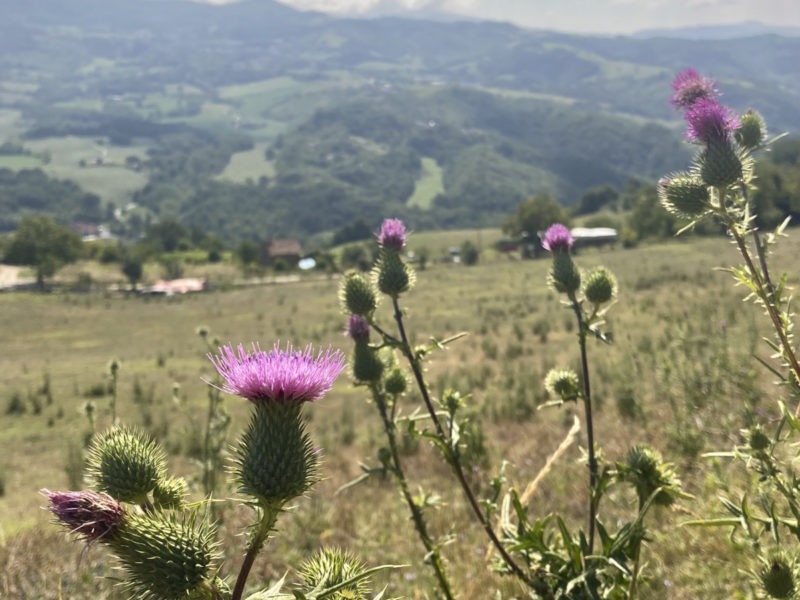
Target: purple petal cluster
689,87
286,375
392,235
557,239
710,122
91,515
358,328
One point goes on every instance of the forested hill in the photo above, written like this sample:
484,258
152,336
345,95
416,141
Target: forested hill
250,118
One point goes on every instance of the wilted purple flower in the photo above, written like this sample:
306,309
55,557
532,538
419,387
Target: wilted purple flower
689,87
358,328
91,515
392,235
557,239
710,122
279,375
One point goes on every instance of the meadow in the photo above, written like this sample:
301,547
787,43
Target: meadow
680,375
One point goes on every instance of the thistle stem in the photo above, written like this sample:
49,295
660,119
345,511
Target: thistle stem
766,295
587,407
416,514
450,456
260,533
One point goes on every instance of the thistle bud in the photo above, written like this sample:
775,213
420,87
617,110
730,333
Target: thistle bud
752,130
357,295
646,470
600,286
720,165
358,329
563,383
275,459
777,578
392,275
166,557
367,364
126,464
330,567
395,382
683,195
170,493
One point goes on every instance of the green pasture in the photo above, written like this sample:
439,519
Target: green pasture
248,165
112,181
428,186
679,375
21,161
9,123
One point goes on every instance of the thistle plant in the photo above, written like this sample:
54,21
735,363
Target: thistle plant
548,568
718,186
167,548
571,565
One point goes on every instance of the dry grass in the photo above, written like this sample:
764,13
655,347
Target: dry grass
672,303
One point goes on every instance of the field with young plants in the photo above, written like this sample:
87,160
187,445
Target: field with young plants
681,375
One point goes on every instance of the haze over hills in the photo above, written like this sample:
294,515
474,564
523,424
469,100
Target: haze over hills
252,118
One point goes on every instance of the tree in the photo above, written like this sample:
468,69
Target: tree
133,268
469,253
534,216
43,244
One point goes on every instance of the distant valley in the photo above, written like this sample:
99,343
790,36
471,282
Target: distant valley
252,120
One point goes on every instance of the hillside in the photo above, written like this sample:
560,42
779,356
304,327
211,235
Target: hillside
251,118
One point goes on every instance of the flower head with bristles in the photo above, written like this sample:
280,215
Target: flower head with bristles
284,376
710,122
392,235
91,515
689,87
557,239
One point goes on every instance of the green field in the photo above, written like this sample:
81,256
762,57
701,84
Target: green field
428,186
112,181
248,165
681,333
17,162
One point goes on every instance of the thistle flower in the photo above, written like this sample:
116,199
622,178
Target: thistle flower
689,87
283,376
557,239
392,235
710,122
358,328
91,515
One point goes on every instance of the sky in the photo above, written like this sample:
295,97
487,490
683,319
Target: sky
582,16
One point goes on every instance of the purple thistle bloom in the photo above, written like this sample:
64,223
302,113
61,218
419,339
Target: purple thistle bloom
89,514
279,375
710,122
392,235
358,328
689,87
557,239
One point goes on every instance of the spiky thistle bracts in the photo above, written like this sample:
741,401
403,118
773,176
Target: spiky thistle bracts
126,464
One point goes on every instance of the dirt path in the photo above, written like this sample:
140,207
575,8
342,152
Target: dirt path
11,276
